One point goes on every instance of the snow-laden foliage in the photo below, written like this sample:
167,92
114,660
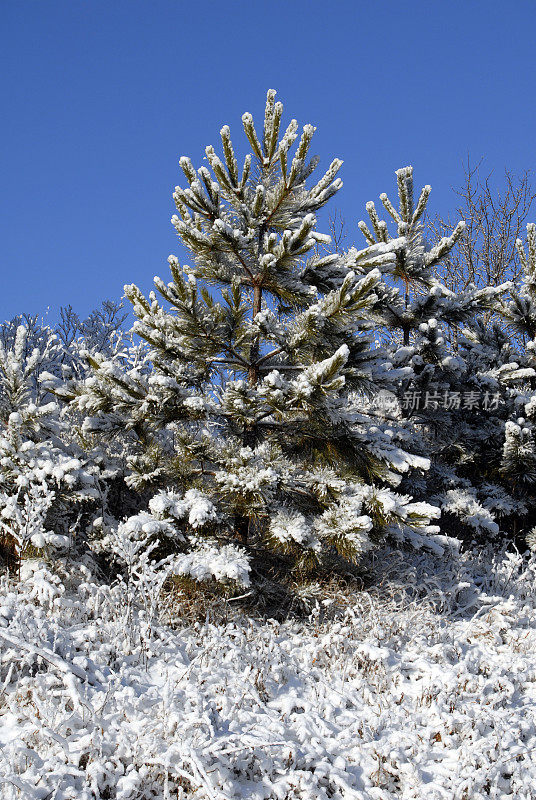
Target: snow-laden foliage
45,479
259,380
180,520
293,421
263,397
23,518
258,397
422,689
465,505
467,387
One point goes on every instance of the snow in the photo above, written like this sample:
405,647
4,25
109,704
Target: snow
464,504
194,507
423,688
207,560
292,527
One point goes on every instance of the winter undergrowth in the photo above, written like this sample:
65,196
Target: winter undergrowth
423,687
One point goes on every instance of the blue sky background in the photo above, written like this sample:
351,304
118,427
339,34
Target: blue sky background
101,97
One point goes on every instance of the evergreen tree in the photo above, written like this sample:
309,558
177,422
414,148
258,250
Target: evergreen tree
455,390
518,465
253,424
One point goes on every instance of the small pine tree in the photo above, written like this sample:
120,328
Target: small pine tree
256,397
450,374
518,465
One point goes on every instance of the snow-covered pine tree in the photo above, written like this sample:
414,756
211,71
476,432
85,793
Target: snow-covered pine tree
465,444
455,391
518,465
251,423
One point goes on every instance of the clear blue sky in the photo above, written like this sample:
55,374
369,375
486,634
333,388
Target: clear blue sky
101,97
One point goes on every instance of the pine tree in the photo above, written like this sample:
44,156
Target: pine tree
518,465
482,449
252,425
451,372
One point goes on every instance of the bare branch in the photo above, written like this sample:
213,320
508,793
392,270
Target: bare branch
495,218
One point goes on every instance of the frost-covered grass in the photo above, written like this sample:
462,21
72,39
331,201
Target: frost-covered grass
422,688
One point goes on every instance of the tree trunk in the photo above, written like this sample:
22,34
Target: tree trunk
253,374
405,328
241,524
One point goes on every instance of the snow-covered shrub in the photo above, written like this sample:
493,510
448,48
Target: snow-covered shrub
143,581
45,478
180,521
23,518
421,687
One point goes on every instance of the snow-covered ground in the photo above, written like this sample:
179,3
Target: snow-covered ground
423,688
